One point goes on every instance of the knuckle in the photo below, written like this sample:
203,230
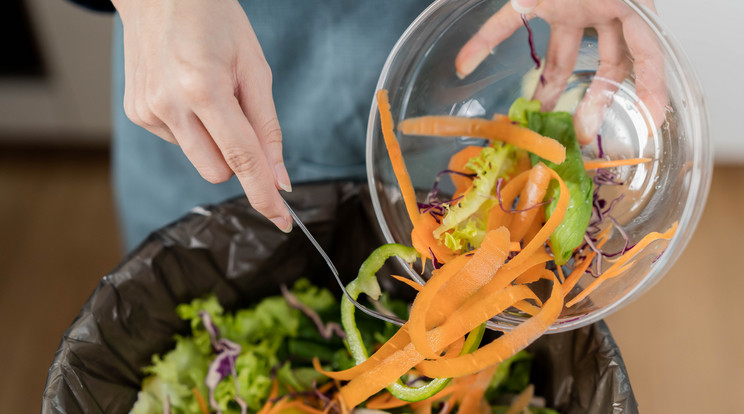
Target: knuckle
270,131
158,102
195,85
243,163
262,204
145,115
214,175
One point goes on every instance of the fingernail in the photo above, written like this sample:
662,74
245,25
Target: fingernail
588,122
282,177
523,6
283,224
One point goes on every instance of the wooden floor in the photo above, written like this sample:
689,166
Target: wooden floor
682,341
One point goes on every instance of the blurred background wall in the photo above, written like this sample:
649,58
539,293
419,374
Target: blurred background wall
58,233
58,90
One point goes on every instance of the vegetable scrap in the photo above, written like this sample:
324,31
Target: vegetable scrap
551,208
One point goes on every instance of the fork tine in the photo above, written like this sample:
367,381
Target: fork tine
368,311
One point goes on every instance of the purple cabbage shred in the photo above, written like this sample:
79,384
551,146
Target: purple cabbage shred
531,41
434,260
326,331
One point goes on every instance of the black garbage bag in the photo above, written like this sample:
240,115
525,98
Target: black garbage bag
232,251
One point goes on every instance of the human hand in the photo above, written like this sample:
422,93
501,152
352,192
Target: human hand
625,44
195,75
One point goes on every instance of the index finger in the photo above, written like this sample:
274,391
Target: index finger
497,28
239,145
648,65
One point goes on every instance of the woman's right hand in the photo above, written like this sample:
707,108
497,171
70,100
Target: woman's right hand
195,75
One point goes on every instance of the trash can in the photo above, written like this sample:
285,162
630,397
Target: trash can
233,252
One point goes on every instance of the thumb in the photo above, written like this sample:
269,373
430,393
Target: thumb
524,6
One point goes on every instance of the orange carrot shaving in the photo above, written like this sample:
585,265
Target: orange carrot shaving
561,276
457,163
424,408
474,313
455,389
381,375
501,118
415,285
508,274
472,400
279,406
522,400
532,194
453,126
577,272
618,267
547,230
200,401
422,239
397,342
596,164
455,348
497,217
298,405
523,163
527,307
423,225
580,268
487,259
515,247
396,156
342,404
272,395
395,365
385,401
502,347
531,275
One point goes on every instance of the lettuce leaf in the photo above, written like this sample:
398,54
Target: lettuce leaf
570,233
264,333
464,223
520,108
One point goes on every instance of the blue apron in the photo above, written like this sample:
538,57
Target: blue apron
325,58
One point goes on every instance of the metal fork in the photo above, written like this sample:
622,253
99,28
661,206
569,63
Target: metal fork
388,318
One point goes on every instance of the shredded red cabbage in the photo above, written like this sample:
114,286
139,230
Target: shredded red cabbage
531,41
659,256
326,399
433,205
211,328
223,363
434,260
325,330
601,211
221,366
600,153
533,51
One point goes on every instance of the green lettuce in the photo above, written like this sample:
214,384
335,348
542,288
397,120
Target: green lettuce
559,125
267,333
464,223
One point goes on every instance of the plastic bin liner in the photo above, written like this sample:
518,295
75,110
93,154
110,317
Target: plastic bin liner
231,250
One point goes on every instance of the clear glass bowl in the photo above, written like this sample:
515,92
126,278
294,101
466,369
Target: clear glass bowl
420,77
